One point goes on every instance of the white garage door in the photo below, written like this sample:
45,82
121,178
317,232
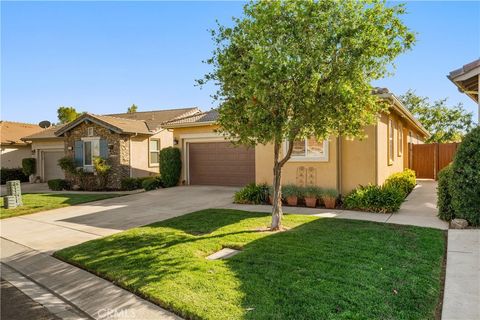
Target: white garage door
51,170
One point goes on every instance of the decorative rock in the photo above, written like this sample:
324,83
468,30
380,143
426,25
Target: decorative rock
75,187
458,224
223,254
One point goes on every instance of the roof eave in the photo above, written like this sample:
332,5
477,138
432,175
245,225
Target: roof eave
405,112
186,125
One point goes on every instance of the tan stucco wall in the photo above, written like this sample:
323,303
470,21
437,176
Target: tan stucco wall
12,156
140,153
358,161
323,174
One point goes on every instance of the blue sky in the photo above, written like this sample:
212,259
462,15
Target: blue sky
103,56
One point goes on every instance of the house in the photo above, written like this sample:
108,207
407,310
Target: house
13,148
337,162
130,142
467,79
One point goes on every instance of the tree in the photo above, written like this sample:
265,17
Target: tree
132,109
67,114
445,124
294,69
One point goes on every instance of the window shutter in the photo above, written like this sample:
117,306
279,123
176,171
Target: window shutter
103,149
78,153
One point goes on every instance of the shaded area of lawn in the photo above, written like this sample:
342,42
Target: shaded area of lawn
319,269
35,202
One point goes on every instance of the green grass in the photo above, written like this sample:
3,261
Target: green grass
35,202
319,269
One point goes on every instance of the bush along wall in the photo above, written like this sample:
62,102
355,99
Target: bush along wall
465,179
444,201
8,174
170,166
386,198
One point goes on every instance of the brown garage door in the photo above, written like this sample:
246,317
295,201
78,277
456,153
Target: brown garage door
221,164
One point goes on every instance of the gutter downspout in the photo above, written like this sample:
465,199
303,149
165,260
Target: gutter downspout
376,153
339,165
130,153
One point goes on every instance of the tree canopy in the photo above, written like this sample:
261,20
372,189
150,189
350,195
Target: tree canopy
293,69
67,114
445,123
132,109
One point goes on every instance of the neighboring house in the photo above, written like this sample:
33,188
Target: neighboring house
338,163
14,149
467,79
130,142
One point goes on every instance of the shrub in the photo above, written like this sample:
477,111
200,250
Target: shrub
291,190
444,202
252,194
7,174
312,192
151,183
129,184
465,189
404,181
170,166
29,166
102,168
58,184
375,198
67,164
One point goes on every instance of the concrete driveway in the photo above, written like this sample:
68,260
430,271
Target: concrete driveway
52,230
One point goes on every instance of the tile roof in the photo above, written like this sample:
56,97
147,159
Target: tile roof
12,132
195,119
47,133
154,119
119,125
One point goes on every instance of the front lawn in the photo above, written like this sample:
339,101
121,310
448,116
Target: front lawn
35,202
319,269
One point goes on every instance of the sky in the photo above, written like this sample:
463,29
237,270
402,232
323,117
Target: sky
102,57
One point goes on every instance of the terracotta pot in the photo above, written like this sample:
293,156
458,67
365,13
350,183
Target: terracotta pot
329,202
292,201
311,202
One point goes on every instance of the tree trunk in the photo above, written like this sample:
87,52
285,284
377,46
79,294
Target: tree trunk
277,212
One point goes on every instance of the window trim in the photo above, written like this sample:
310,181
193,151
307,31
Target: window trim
390,141
399,138
324,158
152,164
89,167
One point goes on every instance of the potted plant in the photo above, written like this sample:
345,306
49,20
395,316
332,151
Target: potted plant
329,198
311,194
291,192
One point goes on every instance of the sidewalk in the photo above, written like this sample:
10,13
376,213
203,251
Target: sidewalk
461,300
98,298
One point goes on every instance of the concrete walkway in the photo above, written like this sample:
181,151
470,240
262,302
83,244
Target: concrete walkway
27,242
419,209
461,299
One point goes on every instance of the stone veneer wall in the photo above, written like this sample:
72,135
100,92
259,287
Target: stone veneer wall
118,152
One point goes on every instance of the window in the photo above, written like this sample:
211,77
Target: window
309,150
154,152
400,139
391,131
90,131
91,149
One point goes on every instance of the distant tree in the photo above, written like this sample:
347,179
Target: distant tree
445,123
289,70
132,109
67,114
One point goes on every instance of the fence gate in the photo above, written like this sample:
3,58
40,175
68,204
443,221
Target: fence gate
429,158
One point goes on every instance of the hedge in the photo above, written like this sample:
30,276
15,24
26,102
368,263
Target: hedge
7,174
170,166
29,166
465,187
375,198
404,181
444,201
58,184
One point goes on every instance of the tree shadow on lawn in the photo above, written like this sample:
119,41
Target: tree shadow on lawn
321,269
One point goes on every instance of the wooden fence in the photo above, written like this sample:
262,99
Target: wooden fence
429,158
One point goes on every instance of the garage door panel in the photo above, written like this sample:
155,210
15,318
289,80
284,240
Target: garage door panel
51,169
221,163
